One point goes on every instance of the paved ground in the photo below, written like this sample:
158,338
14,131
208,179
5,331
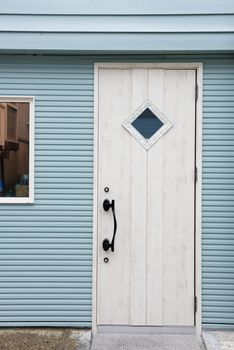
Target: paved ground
145,342
73,339
219,340
44,339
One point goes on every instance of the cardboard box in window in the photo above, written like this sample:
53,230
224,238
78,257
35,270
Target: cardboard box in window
8,123
22,191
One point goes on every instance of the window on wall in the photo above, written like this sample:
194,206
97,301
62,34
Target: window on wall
16,150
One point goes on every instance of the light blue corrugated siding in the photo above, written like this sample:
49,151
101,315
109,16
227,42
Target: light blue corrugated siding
218,195
100,26
117,24
100,43
121,7
45,248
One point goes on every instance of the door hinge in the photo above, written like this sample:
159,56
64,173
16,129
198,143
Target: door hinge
195,174
195,304
196,92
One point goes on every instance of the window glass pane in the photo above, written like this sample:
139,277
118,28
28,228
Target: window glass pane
147,123
14,149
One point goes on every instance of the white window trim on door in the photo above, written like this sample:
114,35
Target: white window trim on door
198,66
147,143
30,198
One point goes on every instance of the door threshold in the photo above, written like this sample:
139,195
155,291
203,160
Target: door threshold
119,329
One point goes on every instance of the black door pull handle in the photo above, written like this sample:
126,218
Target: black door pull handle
106,244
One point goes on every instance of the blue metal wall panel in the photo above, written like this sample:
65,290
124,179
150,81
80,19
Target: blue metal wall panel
128,26
121,7
117,24
218,195
100,43
46,248
96,43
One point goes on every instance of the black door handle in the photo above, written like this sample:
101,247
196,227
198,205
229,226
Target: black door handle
106,244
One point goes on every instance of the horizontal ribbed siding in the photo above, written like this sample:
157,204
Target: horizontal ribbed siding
45,250
99,26
122,7
117,24
218,196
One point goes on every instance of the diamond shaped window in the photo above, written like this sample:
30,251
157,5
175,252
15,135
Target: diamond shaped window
147,124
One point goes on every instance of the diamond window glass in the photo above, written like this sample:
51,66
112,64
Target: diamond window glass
147,124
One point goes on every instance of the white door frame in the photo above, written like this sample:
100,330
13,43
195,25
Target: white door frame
198,66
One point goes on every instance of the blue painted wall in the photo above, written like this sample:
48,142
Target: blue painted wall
218,194
46,248
122,7
81,26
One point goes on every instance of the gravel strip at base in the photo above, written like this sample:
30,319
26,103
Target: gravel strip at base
30,339
44,339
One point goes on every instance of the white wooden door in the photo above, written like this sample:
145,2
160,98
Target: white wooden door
149,278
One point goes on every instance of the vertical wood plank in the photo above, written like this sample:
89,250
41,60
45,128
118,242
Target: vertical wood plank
115,173
178,211
138,208
155,210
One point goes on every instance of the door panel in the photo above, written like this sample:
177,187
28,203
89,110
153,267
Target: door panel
149,279
155,210
114,172
138,202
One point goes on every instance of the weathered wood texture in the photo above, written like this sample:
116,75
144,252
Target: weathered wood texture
149,279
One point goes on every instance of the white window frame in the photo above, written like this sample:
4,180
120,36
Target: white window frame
30,198
147,143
